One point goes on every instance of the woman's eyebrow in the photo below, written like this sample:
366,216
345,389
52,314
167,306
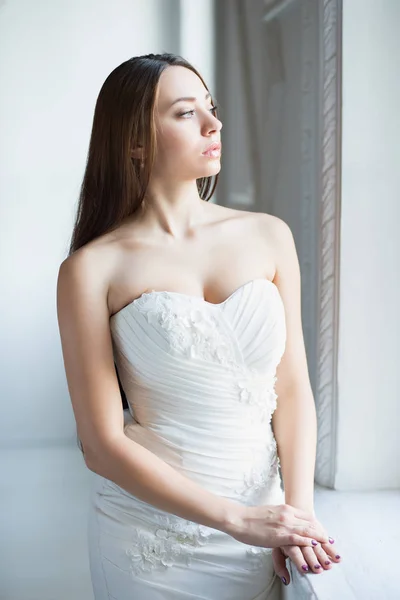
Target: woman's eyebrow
190,99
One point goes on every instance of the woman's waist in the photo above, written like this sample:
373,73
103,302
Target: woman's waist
220,464
186,439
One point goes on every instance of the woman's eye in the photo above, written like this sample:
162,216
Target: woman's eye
188,112
191,112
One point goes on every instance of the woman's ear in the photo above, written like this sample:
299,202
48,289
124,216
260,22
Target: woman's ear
137,152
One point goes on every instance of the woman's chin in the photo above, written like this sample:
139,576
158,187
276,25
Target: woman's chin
212,168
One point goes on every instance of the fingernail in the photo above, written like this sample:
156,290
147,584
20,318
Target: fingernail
327,562
317,566
331,540
314,543
284,580
305,568
337,555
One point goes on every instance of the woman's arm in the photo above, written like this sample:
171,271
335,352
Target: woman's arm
294,425
294,421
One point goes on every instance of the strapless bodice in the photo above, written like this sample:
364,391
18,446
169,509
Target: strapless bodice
199,380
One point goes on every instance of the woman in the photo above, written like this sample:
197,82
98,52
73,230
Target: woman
191,306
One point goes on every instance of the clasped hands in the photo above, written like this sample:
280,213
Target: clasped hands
316,558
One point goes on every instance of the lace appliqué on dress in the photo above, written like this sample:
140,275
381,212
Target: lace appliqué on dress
193,330
263,472
173,542
258,391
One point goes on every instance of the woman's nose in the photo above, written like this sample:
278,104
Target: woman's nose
214,125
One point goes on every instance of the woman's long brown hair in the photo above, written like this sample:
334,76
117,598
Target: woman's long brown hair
114,184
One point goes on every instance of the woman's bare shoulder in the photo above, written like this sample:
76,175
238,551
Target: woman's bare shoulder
89,270
275,228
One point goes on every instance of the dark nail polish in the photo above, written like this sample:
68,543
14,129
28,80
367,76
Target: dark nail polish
284,580
327,562
337,555
305,568
314,543
317,566
331,540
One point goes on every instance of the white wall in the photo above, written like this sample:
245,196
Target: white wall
369,375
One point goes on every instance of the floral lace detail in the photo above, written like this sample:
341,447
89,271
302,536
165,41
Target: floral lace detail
193,330
173,542
258,390
262,473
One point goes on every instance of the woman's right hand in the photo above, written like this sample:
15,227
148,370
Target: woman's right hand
272,526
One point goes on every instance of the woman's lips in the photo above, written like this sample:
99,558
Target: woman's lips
213,151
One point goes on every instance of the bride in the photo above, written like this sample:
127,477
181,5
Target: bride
194,309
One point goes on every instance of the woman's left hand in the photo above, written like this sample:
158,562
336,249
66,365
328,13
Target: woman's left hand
307,559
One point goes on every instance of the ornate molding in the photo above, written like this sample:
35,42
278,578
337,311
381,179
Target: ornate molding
329,244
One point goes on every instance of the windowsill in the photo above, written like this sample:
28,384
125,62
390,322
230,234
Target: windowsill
366,529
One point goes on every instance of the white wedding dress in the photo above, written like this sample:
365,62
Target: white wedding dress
199,378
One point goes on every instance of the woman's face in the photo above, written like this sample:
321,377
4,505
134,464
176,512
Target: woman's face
184,128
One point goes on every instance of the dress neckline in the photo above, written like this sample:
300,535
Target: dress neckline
191,296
